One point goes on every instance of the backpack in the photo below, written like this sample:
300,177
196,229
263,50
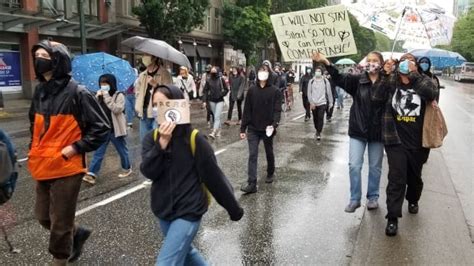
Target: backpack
8,172
193,151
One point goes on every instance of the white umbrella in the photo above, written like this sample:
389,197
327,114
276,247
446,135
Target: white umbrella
158,48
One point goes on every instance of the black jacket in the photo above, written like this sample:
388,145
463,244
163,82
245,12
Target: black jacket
262,108
304,83
176,191
215,90
365,121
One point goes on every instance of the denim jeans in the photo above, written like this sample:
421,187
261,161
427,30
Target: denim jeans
340,97
130,108
177,248
121,147
254,138
146,125
356,160
216,109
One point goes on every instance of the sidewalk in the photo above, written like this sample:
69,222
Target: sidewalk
437,235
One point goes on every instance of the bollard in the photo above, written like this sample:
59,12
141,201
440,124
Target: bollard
1,101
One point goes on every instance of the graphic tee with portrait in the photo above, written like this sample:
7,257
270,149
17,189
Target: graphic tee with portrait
408,110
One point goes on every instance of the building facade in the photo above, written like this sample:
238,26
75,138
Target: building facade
24,22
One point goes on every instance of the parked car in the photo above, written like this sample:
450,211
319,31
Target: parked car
464,72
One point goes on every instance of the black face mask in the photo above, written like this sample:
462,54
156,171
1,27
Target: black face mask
213,75
43,65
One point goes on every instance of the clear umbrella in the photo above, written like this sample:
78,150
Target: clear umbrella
157,48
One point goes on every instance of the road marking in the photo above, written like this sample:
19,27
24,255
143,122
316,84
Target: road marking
298,117
22,160
124,193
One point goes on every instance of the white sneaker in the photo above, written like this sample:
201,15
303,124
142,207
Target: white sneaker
127,173
89,178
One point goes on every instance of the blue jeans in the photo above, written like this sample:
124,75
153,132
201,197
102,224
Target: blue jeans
356,160
216,109
121,147
130,108
340,97
177,248
146,125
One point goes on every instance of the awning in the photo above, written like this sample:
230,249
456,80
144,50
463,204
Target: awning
204,52
189,49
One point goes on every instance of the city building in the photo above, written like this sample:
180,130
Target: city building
24,22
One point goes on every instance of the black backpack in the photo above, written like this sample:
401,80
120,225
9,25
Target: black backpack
8,171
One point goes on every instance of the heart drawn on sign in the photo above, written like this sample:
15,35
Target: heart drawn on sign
286,44
343,35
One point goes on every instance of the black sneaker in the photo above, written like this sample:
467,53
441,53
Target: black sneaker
80,238
329,120
413,208
392,227
249,188
269,179
318,136
306,119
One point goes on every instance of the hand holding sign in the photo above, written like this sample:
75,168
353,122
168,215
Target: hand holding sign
166,132
320,58
175,111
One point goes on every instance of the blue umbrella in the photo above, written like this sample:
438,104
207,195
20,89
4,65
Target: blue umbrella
86,69
440,58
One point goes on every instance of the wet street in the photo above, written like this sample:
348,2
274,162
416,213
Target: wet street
299,219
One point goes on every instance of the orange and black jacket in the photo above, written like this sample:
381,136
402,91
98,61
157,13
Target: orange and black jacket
61,117
63,113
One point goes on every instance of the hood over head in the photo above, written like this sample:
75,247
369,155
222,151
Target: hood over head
60,58
111,80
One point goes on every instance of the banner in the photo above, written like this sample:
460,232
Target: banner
326,30
10,71
176,111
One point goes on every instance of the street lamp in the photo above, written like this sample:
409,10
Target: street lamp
80,7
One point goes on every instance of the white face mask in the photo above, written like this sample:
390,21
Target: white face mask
318,74
154,112
146,60
262,75
105,87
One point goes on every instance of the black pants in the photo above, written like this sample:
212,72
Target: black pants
254,138
404,177
231,109
318,117
306,106
209,115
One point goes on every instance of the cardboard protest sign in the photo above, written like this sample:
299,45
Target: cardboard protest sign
326,30
176,111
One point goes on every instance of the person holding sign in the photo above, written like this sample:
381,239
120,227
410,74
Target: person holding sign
405,93
365,127
183,168
262,112
319,95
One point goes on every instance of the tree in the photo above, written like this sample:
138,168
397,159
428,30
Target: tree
245,27
166,19
283,6
463,36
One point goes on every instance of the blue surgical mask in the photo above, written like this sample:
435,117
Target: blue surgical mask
425,66
403,67
154,112
105,87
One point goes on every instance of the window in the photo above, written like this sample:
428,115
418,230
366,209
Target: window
52,6
90,7
130,4
217,21
208,20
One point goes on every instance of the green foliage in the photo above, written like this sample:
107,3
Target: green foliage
165,19
385,44
245,27
283,6
463,36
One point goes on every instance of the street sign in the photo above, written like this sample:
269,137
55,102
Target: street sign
10,71
326,30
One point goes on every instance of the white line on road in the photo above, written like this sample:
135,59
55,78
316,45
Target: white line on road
124,193
22,160
298,117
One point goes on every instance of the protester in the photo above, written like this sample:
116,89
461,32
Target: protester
154,75
405,92
237,86
113,104
66,122
273,78
204,79
178,199
214,92
252,77
261,117
130,102
365,128
340,98
425,68
329,111
304,92
319,95
185,82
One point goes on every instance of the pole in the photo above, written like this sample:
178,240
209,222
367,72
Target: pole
80,7
398,29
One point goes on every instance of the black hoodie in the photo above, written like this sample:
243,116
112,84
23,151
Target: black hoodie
176,190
